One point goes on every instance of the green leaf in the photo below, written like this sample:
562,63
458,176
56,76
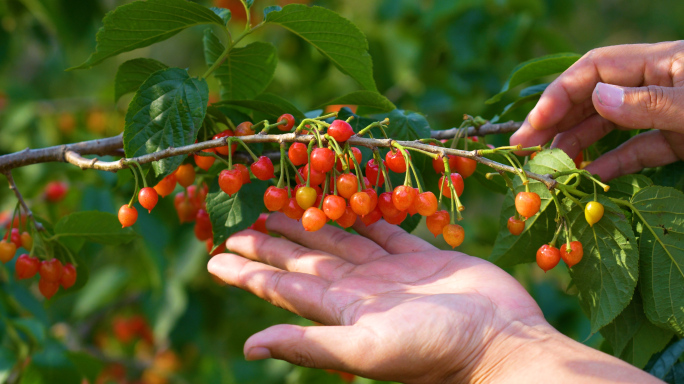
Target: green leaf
229,214
272,8
281,102
133,73
247,70
249,3
143,23
266,107
626,186
662,255
671,175
167,111
104,287
89,366
622,330
223,13
51,365
534,69
334,36
7,362
667,360
406,125
510,250
607,275
33,329
369,99
648,340
410,223
95,226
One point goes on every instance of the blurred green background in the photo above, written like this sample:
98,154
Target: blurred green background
441,58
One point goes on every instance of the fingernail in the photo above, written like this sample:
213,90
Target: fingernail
610,95
257,353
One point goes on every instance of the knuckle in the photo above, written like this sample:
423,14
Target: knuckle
302,358
654,100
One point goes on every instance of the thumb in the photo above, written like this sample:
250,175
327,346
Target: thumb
641,107
345,348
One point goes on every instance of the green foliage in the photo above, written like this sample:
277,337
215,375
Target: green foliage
133,73
230,214
371,101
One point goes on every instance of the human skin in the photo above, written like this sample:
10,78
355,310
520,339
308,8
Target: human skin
397,308
620,87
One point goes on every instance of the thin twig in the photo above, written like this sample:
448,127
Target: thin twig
29,213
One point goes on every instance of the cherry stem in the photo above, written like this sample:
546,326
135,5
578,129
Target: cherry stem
518,171
297,175
283,165
310,171
142,174
135,191
373,125
325,192
454,195
359,175
268,126
230,138
555,236
287,176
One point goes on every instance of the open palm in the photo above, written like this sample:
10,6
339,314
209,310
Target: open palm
396,307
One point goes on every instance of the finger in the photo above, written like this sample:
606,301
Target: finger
583,135
284,254
392,238
296,292
353,248
646,150
345,348
642,107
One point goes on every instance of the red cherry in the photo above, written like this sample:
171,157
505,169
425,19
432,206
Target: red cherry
262,168
48,288
373,196
244,129
372,217
317,177
463,165
290,122
197,196
578,160
210,245
387,206
203,228
15,237
426,204
402,197
437,221
347,185
348,218
260,224
148,198
230,181
244,172
127,216
340,130
26,266
515,226
68,276
373,172
348,160
166,185
457,180
527,204
292,209
204,162
7,251
453,235
26,241
361,203
573,255
438,164
185,208
395,161
548,257
55,191
322,159
334,206
313,219
275,198
185,175
51,270
413,209
298,154
396,220
224,150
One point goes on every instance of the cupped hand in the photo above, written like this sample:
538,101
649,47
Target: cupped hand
394,306
619,87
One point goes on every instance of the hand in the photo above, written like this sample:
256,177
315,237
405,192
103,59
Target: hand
619,87
396,307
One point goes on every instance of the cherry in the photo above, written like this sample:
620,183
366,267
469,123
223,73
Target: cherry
127,216
185,208
361,203
275,198
244,129
334,206
372,172
290,122
396,220
306,197
15,237
185,175
68,276
402,197
316,188
224,150
317,177
395,161
527,204
593,212
220,249
26,241
426,204
262,168
197,196
203,229
313,219
437,221
230,181
26,266
204,162
298,154
51,270
348,218
373,197
55,191
322,159
515,226
453,235
7,251
438,164
463,165
244,172
573,255
166,185
533,155
412,210
387,206
357,155
340,130
292,209
347,185
457,180
148,198
48,288
578,160
548,257
260,224
372,217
